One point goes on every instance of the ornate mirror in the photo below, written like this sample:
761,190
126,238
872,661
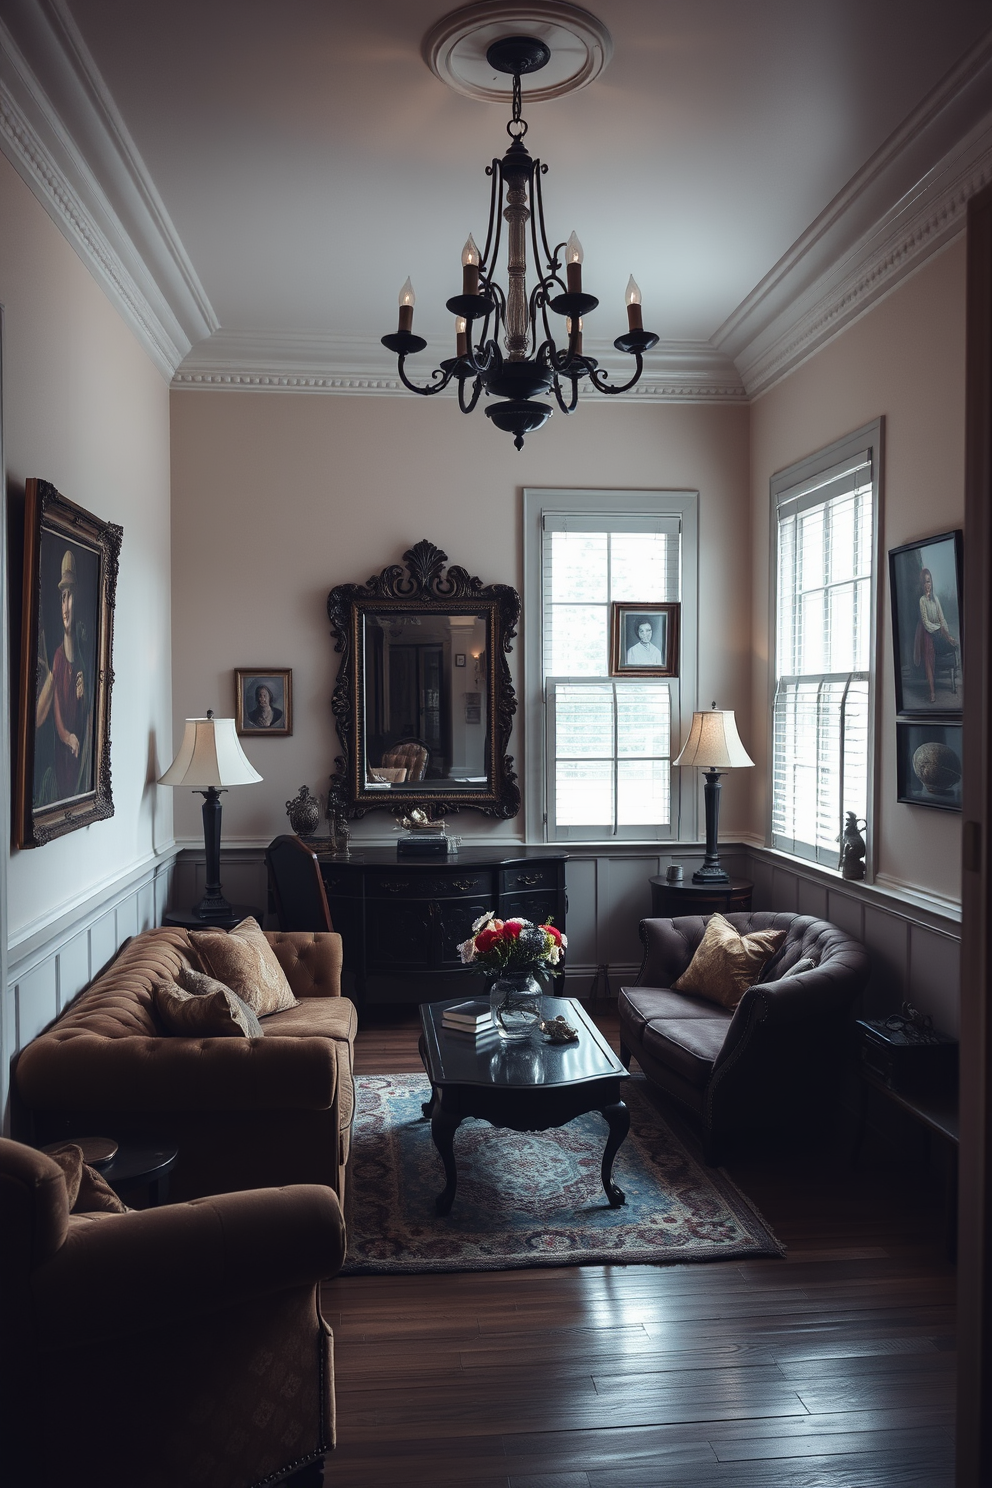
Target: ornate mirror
423,702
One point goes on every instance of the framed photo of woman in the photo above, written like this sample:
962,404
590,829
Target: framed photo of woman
264,700
644,640
925,583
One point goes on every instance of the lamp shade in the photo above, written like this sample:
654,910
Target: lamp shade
210,755
714,743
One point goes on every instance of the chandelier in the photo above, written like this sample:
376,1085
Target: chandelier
532,363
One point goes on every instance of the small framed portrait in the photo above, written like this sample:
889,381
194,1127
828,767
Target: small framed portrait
67,628
459,658
644,640
264,701
925,584
928,764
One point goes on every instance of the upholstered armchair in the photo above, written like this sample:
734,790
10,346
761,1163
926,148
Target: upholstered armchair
412,755
780,1050
165,1348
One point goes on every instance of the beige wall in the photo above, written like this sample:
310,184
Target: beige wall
905,360
86,409
278,498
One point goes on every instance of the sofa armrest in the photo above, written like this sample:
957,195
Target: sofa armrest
669,946
192,1259
311,960
91,1073
821,995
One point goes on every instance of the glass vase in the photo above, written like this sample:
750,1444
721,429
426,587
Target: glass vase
515,999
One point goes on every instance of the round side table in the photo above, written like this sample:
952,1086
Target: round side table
669,900
188,919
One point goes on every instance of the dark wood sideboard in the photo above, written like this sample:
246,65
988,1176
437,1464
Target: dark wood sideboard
402,921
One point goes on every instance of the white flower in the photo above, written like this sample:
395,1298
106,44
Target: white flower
467,951
482,922
553,956
564,941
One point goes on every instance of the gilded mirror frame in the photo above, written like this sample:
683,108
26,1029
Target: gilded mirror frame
423,588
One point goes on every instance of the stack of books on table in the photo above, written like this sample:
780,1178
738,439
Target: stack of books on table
473,1017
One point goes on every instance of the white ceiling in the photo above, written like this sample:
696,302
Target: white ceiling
298,158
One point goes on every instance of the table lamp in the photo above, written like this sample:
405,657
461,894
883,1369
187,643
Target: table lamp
210,759
713,745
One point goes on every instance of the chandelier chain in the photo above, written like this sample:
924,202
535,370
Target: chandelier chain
517,127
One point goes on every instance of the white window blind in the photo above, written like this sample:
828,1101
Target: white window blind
822,711
608,743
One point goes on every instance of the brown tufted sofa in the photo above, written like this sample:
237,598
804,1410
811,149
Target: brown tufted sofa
244,1113
178,1346
780,1050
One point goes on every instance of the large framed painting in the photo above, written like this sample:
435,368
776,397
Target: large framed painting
925,583
928,764
67,629
644,640
264,700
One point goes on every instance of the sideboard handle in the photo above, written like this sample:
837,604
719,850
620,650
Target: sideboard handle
394,888
464,883
530,879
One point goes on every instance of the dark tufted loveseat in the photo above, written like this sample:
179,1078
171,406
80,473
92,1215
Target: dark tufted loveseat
245,1113
781,1048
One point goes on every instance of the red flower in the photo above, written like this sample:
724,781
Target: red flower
486,939
512,929
553,932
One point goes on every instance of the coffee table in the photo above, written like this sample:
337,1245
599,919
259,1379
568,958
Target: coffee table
529,1085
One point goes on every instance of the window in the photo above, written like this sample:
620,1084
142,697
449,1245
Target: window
599,747
824,532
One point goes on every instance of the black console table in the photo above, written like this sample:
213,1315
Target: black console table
401,921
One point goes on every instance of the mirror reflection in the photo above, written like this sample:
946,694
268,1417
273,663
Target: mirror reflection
425,700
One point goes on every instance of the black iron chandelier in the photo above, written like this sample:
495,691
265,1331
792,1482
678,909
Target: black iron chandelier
530,368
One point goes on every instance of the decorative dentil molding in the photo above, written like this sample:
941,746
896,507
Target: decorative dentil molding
78,159
304,362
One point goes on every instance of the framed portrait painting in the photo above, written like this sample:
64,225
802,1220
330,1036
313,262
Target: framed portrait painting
928,764
67,627
644,640
264,701
925,584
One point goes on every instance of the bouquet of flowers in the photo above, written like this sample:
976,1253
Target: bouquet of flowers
502,947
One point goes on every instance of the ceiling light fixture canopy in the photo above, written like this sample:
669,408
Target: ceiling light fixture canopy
531,364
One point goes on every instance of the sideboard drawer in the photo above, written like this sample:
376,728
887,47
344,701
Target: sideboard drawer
435,883
529,876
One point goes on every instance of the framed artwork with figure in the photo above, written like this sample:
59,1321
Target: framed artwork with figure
67,626
644,640
264,703
925,584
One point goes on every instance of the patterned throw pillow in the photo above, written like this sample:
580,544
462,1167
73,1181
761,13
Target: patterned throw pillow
87,1190
209,1010
245,962
726,962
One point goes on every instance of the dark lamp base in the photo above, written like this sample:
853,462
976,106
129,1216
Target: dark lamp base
710,876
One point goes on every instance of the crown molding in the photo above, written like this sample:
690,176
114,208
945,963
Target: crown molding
898,210
61,130
309,362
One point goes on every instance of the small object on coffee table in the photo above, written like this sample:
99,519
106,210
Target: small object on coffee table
473,1017
558,1031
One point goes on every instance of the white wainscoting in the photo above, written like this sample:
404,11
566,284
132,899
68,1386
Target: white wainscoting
915,947
48,968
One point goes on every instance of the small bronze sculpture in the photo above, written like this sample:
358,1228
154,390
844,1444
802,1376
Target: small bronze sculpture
853,849
558,1031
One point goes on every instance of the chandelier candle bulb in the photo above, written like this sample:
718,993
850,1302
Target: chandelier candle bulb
461,336
573,264
633,298
470,267
574,337
407,301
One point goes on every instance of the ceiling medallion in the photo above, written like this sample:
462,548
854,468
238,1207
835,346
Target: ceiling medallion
456,48
530,364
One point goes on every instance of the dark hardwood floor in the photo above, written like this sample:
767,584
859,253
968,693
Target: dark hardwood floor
833,1368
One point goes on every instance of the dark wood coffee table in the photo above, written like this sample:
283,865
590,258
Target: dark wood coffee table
526,1086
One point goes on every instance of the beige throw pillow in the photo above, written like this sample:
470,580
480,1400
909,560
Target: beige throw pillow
245,962
209,1010
727,963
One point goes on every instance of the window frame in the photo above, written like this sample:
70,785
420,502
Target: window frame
805,473
538,503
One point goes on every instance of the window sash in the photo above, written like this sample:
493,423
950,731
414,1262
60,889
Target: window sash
601,759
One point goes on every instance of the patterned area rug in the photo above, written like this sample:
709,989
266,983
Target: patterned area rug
533,1198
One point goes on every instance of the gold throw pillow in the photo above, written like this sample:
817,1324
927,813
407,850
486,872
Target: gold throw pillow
208,1011
727,963
245,962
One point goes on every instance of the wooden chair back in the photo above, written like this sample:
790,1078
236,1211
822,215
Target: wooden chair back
297,885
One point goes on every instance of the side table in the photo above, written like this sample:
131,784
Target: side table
188,919
669,900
